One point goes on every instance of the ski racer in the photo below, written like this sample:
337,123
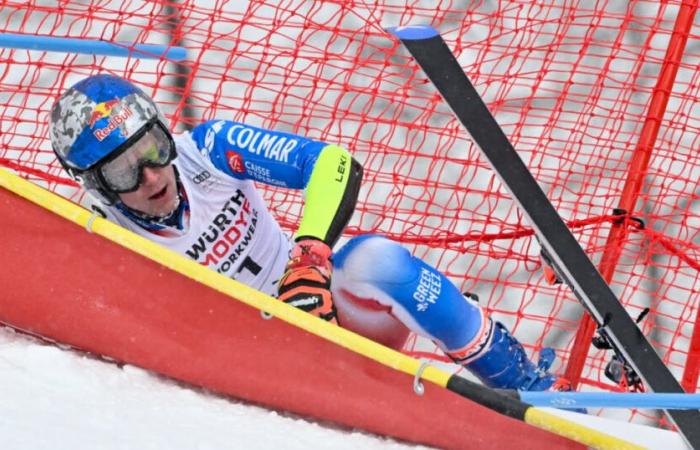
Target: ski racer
194,193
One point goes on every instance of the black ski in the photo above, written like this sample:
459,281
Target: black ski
437,61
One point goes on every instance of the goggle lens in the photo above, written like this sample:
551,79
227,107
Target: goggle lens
124,173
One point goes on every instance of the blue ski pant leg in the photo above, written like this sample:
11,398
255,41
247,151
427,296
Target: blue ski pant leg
387,278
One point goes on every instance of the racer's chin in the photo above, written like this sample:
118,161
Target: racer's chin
163,202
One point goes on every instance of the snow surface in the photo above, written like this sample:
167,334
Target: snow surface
61,399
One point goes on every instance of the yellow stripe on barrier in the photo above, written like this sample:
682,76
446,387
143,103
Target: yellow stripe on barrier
577,432
263,302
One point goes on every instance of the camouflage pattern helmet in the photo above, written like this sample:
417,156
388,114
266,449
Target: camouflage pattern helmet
95,119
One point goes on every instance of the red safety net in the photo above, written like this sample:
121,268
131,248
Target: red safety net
578,86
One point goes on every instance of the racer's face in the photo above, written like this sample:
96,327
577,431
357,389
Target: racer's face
157,193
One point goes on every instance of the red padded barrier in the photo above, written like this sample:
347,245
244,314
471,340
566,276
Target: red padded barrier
64,284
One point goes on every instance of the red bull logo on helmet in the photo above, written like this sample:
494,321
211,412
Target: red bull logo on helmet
104,109
101,110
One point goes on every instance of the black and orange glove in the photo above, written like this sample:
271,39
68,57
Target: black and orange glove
306,282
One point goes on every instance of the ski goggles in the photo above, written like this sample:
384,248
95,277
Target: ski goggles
155,148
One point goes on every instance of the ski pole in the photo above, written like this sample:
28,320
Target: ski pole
91,46
611,400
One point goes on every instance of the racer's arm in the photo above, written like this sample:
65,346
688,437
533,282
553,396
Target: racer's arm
328,174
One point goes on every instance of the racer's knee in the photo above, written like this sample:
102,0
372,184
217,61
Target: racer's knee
358,267
376,269
374,258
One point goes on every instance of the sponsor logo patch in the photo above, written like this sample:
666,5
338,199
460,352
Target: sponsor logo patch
226,240
210,138
114,122
235,162
268,144
428,290
103,109
201,177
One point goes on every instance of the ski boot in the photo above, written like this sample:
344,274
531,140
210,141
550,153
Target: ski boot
501,363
